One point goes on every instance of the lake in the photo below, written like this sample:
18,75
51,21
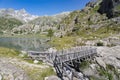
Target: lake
26,44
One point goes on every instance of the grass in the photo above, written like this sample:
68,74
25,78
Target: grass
108,73
94,78
95,9
118,7
65,42
34,73
32,61
84,34
90,33
102,72
114,70
5,52
39,74
25,36
84,65
102,32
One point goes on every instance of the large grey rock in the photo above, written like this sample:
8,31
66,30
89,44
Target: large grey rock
88,72
52,78
11,72
112,61
101,62
109,56
0,77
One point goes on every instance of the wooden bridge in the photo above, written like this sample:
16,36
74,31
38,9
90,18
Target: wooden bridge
66,62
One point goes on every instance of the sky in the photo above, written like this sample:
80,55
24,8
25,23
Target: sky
44,7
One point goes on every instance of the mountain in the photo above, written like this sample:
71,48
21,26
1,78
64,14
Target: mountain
99,19
98,24
7,24
41,24
91,22
18,14
20,21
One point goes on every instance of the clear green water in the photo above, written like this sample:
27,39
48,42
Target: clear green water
27,44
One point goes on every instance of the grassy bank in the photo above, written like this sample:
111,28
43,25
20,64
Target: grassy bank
39,74
5,52
65,42
34,71
24,36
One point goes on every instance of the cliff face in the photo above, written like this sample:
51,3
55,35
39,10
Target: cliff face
109,8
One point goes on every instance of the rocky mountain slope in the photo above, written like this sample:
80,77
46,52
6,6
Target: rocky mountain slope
7,24
41,24
97,19
93,20
10,18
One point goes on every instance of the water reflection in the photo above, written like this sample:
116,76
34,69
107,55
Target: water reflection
35,44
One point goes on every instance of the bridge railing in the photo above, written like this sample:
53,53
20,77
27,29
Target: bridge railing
64,55
75,55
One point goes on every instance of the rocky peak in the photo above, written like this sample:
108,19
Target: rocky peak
19,14
93,3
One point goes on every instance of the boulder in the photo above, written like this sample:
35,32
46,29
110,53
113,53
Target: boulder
36,61
101,62
93,66
10,71
109,56
0,77
52,78
111,60
23,52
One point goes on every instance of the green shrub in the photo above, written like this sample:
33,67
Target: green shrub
84,64
99,44
111,45
1,32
